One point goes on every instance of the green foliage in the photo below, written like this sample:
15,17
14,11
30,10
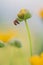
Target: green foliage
16,44
1,45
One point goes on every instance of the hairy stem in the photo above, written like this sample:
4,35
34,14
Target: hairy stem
29,37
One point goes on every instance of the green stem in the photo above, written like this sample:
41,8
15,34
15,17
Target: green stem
29,36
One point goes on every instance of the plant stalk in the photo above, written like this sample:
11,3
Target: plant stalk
29,37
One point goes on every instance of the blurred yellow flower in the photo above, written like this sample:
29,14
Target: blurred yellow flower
41,13
6,36
37,60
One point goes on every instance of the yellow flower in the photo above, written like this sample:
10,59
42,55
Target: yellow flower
37,60
41,13
6,36
41,55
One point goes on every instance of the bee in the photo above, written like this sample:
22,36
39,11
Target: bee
15,22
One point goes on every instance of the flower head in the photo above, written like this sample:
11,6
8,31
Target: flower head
37,60
23,14
6,36
41,13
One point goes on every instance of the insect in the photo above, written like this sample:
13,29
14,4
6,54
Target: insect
15,22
